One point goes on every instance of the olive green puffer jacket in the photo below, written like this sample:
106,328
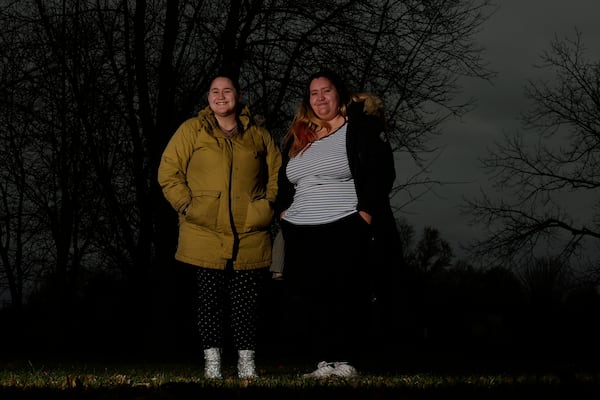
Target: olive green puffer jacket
223,189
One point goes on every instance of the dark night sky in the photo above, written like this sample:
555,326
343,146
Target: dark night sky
514,39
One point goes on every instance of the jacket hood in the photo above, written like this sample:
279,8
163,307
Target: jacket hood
245,117
372,105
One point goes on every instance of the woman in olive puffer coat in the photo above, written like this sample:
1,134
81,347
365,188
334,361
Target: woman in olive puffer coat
219,172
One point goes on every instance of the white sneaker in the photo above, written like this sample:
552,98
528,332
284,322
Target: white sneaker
324,369
212,363
344,370
246,367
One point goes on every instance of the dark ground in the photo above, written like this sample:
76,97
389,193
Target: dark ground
400,349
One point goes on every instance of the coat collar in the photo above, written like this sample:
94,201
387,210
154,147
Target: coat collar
207,117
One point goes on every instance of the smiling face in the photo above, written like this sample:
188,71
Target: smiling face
324,99
223,97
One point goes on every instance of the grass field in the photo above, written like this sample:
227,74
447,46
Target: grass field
104,380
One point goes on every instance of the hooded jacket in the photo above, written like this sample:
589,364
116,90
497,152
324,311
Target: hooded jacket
223,189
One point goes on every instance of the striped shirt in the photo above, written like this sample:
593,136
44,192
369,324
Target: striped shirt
324,185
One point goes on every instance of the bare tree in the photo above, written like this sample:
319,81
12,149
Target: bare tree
432,253
18,236
25,247
536,175
546,281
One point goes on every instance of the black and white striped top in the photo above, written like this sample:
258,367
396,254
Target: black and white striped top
324,185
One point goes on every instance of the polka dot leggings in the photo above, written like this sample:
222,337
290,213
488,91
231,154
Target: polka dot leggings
228,296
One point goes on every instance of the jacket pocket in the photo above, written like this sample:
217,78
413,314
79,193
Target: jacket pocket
260,215
204,208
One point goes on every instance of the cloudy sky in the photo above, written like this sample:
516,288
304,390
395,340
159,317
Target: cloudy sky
514,38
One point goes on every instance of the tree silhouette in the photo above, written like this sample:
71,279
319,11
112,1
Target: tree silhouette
538,177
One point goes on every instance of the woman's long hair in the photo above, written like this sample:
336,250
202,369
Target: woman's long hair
306,123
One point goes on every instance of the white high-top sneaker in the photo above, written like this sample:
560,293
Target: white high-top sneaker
212,363
246,367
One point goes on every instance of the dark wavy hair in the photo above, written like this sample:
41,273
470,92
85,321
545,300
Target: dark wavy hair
306,123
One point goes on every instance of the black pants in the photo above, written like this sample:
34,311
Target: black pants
229,297
327,290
